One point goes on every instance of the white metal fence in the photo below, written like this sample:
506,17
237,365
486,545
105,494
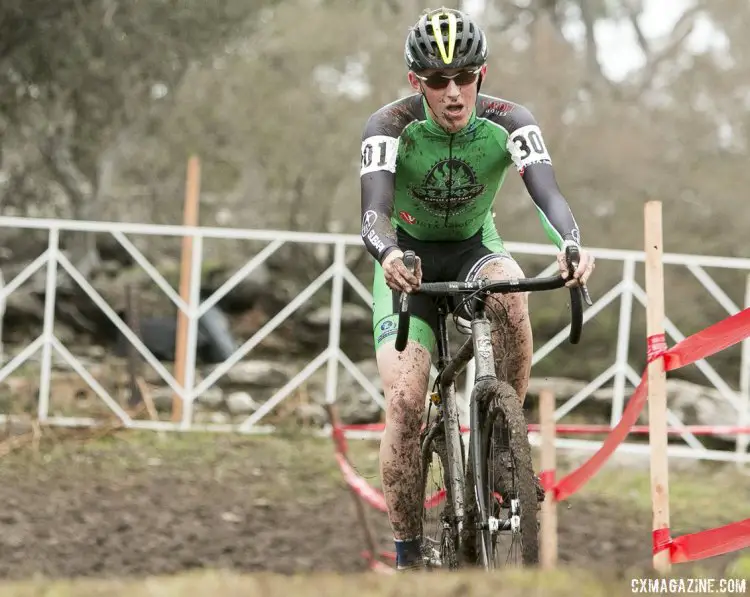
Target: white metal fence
620,373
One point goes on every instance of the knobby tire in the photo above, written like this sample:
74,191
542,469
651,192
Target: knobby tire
433,442
513,476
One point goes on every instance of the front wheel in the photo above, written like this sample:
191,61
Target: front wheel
439,526
504,521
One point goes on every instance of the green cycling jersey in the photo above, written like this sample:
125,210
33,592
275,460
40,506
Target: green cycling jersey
421,181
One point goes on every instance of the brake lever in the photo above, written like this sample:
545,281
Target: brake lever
410,261
586,295
571,253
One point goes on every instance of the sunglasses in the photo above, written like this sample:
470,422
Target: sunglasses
441,81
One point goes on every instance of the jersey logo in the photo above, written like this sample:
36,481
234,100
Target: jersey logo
368,221
499,108
407,217
449,188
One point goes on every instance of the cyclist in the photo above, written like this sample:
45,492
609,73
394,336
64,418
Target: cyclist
431,165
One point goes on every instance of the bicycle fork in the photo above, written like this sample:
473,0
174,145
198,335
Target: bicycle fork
455,457
452,433
485,373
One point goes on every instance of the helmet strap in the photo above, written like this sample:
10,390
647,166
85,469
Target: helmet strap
424,95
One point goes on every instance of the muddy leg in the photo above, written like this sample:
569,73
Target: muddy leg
405,377
512,340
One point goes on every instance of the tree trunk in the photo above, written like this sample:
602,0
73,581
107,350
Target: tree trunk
593,67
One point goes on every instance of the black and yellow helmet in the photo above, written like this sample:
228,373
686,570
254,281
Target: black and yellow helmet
445,38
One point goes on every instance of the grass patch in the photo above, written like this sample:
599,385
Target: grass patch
295,462
718,492
300,470
562,583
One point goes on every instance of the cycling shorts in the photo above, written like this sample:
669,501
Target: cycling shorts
441,262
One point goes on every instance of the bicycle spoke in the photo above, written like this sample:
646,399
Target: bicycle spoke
508,529
439,544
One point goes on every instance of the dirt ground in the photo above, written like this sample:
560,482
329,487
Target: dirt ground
139,504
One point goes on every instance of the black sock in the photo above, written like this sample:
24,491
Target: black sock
408,552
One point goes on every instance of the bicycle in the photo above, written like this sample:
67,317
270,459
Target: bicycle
470,529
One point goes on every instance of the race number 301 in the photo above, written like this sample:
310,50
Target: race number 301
379,153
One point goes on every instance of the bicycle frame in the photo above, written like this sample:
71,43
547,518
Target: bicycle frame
479,346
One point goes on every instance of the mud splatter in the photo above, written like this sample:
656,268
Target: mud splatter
405,378
512,340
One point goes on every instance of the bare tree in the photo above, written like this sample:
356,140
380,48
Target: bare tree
85,77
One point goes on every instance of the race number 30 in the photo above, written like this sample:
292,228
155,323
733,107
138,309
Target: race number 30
527,147
379,153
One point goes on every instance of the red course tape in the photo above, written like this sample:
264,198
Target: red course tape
547,480
713,339
712,542
656,346
662,539
704,544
